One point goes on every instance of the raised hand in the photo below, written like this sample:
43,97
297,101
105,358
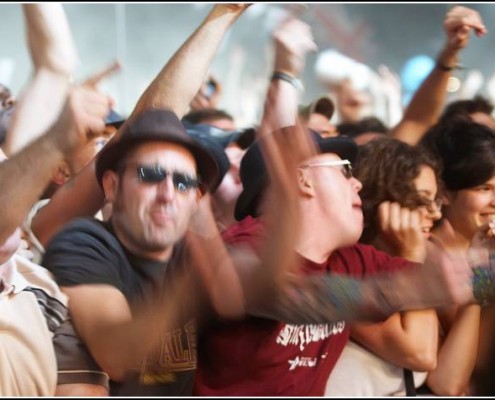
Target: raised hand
458,24
400,229
84,111
293,40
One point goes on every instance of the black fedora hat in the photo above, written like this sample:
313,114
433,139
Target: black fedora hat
156,125
254,175
215,148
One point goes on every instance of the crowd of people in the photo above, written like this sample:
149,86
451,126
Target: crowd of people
173,253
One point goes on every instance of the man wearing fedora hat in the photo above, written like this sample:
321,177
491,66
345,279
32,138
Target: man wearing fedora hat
127,279
153,175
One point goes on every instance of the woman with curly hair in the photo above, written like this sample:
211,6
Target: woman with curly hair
400,207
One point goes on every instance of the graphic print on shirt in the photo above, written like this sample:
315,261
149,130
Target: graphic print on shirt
302,336
177,352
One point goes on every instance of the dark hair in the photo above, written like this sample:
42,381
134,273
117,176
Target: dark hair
387,169
206,115
369,124
467,107
465,150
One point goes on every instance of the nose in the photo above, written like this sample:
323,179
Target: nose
434,212
8,102
356,184
165,190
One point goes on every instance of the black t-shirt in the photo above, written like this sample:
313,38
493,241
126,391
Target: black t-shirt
87,251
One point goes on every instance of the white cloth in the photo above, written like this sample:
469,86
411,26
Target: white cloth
361,373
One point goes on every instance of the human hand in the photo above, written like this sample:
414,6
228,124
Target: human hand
83,114
293,40
458,23
400,229
482,247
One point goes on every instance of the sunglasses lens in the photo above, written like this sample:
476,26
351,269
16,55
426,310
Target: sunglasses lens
151,174
184,183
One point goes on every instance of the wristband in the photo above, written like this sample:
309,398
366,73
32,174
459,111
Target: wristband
287,78
447,68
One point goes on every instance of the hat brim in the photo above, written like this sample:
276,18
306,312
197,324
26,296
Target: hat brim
117,149
246,201
344,147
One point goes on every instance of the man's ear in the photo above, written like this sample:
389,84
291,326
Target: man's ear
62,174
110,183
305,183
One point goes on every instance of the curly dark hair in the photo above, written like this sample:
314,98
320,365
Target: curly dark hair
387,169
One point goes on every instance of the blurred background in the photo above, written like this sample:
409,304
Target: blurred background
403,37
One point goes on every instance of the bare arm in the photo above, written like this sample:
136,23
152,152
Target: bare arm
174,87
54,58
457,355
442,280
181,78
410,338
81,389
407,339
234,278
428,101
119,338
25,175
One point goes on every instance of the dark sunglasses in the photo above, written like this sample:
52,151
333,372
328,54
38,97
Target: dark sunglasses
183,183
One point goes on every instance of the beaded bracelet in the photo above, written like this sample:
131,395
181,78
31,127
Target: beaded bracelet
483,289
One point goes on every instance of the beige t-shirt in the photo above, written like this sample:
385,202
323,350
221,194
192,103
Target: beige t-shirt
31,308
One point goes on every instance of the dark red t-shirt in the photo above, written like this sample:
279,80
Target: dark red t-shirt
261,357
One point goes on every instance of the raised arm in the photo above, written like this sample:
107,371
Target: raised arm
410,338
54,58
25,175
239,277
428,101
181,78
174,88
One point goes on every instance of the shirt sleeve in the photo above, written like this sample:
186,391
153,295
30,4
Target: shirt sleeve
85,253
74,361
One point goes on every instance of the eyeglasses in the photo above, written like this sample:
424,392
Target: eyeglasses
152,174
345,165
433,205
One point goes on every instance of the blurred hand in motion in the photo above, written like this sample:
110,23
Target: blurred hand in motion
293,40
458,24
